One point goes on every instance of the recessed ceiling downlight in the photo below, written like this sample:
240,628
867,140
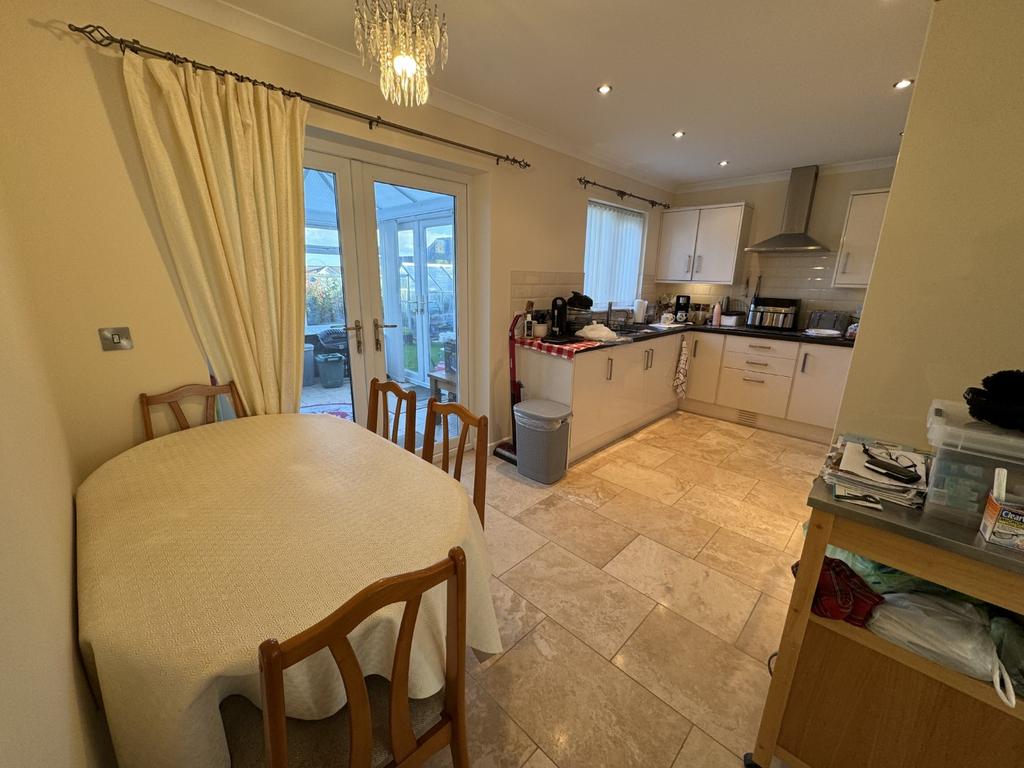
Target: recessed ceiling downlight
723,163
604,89
899,85
678,134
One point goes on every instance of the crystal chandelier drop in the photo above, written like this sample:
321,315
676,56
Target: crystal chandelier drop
405,38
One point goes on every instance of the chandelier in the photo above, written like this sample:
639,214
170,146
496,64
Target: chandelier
405,38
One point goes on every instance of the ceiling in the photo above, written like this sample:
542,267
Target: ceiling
764,84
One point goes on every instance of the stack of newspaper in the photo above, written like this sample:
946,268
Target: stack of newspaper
852,480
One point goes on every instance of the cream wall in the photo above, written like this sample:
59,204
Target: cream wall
944,307
784,272
85,225
47,717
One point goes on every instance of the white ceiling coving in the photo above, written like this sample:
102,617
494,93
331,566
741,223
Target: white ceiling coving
764,84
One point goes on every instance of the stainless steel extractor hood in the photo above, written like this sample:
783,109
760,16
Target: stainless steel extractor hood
794,238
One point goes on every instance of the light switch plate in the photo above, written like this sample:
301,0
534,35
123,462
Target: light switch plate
112,339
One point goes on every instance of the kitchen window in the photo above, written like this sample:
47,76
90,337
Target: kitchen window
613,255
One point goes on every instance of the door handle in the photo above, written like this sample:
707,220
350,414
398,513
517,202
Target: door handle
357,327
803,365
377,326
608,373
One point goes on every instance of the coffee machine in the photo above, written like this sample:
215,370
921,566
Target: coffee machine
682,308
559,321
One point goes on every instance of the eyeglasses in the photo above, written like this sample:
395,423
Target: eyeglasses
881,453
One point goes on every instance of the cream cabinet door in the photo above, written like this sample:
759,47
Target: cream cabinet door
661,359
818,384
860,238
705,362
718,244
592,389
677,244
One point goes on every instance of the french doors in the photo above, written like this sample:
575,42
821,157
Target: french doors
385,284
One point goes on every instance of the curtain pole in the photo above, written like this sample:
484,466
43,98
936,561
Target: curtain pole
621,193
100,36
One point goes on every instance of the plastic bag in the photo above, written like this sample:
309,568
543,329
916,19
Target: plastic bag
949,632
886,580
1008,636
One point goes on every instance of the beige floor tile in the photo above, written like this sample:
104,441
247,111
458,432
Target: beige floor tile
539,760
772,472
495,741
510,492
750,562
748,449
795,546
508,541
760,638
653,483
717,603
701,751
680,425
718,688
583,532
583,488
712,451
673,527
743,517
804,462
779,500
594,606
578,708
638,452
733,429
692,472
765,437
516,616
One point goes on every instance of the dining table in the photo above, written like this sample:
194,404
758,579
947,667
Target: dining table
195,547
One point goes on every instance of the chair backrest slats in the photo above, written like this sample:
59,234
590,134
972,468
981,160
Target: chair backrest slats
332,633
379,392
360,727
174,397
403,738
467,419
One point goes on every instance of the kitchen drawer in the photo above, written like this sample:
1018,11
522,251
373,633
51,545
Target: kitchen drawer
757,392
758,363
770,347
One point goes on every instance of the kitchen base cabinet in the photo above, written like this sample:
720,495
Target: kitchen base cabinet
818,384
612,391
705,361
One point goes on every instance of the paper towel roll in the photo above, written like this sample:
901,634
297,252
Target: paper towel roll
640,311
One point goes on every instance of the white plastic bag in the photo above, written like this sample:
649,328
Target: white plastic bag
949,632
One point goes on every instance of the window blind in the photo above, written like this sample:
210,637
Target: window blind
612,255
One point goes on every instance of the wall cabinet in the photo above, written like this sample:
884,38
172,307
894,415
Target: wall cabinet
702,245
705,361
863,226
818,384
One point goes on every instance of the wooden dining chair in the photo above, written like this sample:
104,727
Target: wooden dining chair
467,420
175,396
406,748
379,392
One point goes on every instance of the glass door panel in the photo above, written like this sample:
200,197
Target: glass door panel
333,369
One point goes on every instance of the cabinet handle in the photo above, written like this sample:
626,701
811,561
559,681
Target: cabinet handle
846,262
608,373
695,343
647,359
754,381
760,346
803,365
754,362
689,262
700,262
651,364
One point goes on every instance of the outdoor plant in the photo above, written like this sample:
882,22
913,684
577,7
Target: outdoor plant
325,301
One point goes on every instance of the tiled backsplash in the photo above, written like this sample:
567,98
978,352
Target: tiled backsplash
542,287
807,277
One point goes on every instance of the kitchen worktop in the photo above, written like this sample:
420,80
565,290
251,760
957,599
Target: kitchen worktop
930,525
762,333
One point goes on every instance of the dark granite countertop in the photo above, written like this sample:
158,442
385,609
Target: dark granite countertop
932,525
761,333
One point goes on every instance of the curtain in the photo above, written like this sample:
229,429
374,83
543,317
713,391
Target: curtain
224,159
612,256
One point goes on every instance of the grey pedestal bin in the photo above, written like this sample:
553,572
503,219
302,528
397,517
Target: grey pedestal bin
542,439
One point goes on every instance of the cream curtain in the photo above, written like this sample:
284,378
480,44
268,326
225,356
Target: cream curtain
225,163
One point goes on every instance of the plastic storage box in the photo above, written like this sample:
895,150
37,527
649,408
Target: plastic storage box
967,453
542,439
332,369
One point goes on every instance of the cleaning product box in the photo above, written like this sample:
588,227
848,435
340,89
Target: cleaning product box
1003,523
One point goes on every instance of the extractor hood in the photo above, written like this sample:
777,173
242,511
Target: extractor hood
794,238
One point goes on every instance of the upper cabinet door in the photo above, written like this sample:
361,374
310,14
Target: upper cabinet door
676,248
860,238
718,244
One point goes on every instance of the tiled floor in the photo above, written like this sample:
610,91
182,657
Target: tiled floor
639,599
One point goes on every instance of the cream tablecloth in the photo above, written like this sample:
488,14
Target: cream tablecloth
195,547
